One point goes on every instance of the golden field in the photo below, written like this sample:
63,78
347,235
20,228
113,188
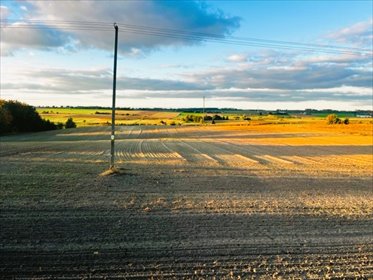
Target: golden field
94,117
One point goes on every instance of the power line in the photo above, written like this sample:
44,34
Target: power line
178,31
181,34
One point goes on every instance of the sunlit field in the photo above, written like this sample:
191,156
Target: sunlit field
94,117
270,197
97,117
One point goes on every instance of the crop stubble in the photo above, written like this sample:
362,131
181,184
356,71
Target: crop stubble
189,202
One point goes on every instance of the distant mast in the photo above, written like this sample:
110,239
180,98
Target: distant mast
203,110
203,105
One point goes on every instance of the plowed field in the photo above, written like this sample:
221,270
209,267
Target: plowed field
189,202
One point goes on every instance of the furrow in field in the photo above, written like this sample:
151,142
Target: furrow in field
203,152
130,131
149,152
191,154
132,149
275,160
172,152
247,159
233,158
135,132
302,160
68,152
248,151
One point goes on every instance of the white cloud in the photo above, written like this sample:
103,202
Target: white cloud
262,88
31,38
237,58
4,12
360,34
173,15
343,89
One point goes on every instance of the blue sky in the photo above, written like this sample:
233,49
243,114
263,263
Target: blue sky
53,62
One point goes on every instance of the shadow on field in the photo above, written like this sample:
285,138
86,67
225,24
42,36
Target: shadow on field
142,132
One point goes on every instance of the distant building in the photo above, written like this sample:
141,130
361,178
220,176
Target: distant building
365,116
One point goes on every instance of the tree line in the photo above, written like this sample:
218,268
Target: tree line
17,117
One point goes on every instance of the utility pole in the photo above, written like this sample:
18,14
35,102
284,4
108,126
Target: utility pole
203,111
113,106
203,105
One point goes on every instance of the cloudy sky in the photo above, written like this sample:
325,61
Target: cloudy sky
242,54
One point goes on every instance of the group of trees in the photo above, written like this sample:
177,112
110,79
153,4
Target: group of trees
20,117
333,119
192,118
199,119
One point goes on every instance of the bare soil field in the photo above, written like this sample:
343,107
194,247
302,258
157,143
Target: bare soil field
189,203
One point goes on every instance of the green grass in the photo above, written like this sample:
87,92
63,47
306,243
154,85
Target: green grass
339,115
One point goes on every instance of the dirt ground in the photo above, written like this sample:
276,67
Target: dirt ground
189,202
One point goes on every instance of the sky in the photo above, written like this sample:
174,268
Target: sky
238,54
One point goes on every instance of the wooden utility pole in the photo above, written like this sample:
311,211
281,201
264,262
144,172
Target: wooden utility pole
203,105
203,110
112,152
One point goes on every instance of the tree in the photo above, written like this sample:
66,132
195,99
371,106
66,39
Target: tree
20,117
6,118
70,123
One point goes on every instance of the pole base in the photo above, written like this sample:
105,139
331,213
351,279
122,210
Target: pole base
111,171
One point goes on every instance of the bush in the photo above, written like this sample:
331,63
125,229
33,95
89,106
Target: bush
346,121
20,117
193,118
333,119
70,123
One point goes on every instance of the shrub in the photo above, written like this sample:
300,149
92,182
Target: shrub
346,121
70,123
333,119
192,118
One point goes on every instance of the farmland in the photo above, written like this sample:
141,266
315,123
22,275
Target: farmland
282,200
94,117
102,116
